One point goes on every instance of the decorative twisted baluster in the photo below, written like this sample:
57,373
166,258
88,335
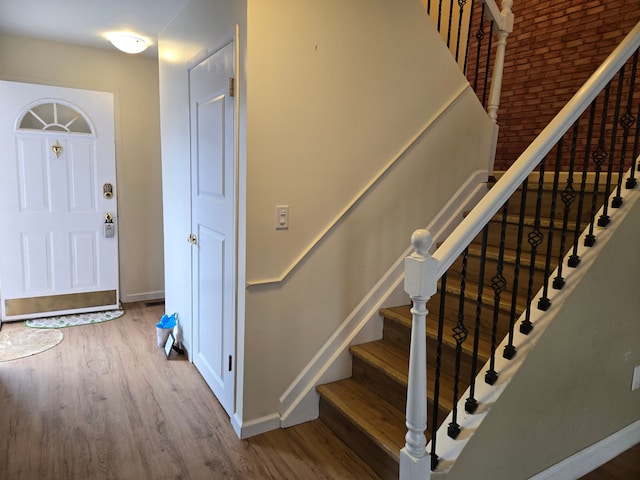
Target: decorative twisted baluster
631,181
420,283
568,195
535,239
471,404
479,38
626,122
498,283
461,4
460,333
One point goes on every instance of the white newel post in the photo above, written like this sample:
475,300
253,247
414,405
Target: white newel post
505,27
420,283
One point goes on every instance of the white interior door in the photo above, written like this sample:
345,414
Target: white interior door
57,190
213,223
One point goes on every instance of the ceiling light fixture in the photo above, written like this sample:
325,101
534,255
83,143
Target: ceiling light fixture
128,42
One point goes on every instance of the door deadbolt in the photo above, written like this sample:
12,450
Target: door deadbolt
107,191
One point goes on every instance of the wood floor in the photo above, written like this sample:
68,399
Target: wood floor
625,466
106,404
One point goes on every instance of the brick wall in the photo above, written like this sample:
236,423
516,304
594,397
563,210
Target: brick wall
554,48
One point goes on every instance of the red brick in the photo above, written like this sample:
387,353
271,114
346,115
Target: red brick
554,48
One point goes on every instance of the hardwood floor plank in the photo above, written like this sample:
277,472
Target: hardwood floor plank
106,404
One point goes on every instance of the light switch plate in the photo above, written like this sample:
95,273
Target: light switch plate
282,217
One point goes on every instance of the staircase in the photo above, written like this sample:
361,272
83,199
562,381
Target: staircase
367,410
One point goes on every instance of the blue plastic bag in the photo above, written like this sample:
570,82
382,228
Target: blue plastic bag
167,321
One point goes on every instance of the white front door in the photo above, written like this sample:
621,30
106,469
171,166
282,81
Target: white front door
213,223
58,249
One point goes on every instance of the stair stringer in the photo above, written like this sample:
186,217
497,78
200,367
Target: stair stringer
299,403
453,452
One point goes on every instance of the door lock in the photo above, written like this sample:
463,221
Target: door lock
109,227
107,191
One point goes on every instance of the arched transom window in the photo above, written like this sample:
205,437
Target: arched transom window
55,117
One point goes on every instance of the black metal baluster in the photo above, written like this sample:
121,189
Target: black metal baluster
498,283
598,157
471,404
574,259
449,26
631,181
428,6
460,333
466,51
479,38
461,4
604,219
436,386
440,16
535,238
626,122
568,195
636,148
510,349
544,303
485,91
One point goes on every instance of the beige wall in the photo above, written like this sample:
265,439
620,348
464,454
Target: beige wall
335,90
330,92
574,388
134,82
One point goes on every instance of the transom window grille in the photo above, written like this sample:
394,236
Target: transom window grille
55,117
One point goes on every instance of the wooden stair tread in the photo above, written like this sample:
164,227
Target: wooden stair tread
394,362
382,366
547,184
529,221
384,424
471,294
384,356
402,314
509,257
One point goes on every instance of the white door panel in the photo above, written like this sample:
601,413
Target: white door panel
55,257
213,223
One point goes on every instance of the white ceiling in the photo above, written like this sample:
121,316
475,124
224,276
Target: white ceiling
84,22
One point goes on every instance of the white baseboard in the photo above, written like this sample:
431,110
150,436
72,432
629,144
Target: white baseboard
256,426
594,456
142,297
299,403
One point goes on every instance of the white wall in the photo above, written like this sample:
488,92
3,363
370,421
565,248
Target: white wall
134,82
